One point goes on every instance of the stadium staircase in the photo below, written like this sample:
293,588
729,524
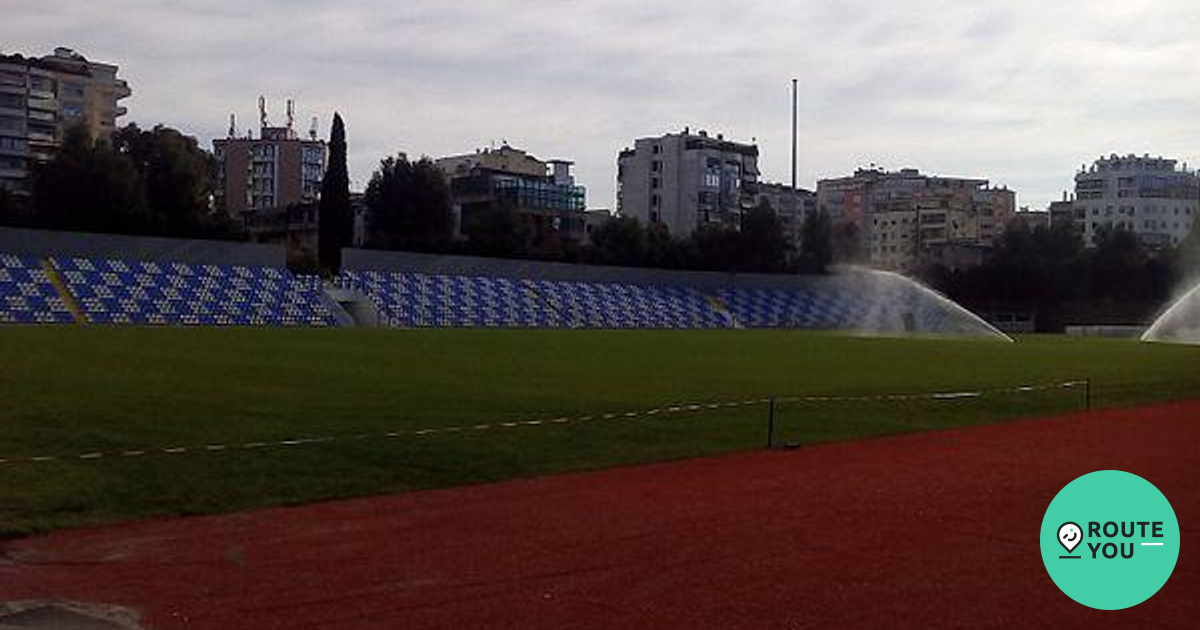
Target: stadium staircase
63,292
717,305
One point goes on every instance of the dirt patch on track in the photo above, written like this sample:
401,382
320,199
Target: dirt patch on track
931,530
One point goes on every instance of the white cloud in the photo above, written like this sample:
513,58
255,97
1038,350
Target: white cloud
1020,91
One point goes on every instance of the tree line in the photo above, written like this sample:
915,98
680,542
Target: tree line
144,181
1047,271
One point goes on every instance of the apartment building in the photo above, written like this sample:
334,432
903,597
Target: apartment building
1153,197
905,218
686,181
42,97
265,174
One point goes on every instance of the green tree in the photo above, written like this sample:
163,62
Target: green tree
716,248
816,243
496,231
336,217
846,242
1187,256
408,205
177,176
763,247
14,210
89,187
663,251
619,241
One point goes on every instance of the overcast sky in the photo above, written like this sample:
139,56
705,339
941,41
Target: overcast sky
1021,92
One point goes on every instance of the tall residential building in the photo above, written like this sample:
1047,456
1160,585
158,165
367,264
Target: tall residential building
686,181
264,175
42,97
544,195
1152,197
905,219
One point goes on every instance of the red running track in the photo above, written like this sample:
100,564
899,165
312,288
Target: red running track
938,530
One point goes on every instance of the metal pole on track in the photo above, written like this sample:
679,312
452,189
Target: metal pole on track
771,424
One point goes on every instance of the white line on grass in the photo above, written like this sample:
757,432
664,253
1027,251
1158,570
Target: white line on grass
674,409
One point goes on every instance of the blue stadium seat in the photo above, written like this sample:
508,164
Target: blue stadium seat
26,294
154,293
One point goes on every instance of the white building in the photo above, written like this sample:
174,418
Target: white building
686,180
1151,197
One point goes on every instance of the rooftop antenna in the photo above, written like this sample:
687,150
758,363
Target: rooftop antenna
291,113
262,111
312,129
232,125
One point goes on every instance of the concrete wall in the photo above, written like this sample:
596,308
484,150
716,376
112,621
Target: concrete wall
433,264
46,243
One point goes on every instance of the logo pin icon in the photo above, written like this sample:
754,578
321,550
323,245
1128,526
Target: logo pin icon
1069,536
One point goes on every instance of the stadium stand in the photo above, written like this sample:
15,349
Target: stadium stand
419,300
146,292
61,277
27,296
430,290
608,305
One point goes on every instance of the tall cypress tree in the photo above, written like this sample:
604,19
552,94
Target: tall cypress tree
336,221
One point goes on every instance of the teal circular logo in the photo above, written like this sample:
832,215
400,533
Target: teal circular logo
1110,540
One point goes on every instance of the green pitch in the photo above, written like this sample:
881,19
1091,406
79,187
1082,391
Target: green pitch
71,391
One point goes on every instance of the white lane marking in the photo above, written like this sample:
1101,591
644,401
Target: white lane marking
177,450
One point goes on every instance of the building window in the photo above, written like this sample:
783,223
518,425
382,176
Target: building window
655,201
655,183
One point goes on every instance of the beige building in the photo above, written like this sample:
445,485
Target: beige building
906,219
506,159
543,194
42,97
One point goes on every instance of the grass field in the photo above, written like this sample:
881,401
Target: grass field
73,390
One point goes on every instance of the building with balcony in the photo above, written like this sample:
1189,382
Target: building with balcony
906,219
686,181
548,203
1153,197
42,97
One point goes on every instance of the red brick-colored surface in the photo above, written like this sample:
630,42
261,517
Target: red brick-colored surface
937,530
